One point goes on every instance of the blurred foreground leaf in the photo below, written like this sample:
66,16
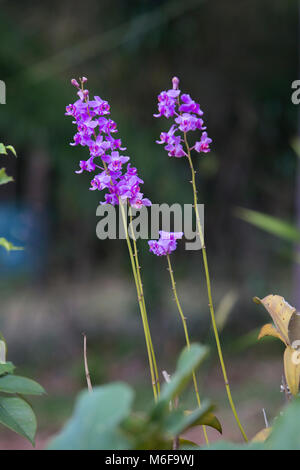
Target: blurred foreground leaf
94,425
284,435
103,419
202,416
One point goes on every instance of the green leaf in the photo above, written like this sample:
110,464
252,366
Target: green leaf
208,419
4,178
3,149
136,424
9,246
22,385
17,415
12,149
186,443
270,224
224,445
95,424
285,434
189,360
6,368
178,422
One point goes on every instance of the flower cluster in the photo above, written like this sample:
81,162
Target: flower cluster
95,130
187,117
166,243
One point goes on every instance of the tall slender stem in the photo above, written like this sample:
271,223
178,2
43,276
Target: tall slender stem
144,320
138,270
186,333
208,283
140,295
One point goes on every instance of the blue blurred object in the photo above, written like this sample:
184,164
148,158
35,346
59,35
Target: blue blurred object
26,227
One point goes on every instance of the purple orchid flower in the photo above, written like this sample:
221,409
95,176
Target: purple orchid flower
94,130
166,244
187,117
203,144
87,165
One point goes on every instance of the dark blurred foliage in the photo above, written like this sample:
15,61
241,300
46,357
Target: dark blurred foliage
237,58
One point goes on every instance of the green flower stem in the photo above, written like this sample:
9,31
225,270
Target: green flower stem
183,319
139,295
208,283
138,271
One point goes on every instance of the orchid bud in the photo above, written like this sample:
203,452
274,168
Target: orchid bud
175,81
74,82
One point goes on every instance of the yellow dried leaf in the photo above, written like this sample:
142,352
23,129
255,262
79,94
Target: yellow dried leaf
292,369
270,330
280,312
262,435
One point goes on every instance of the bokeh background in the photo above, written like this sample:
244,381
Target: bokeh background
239,59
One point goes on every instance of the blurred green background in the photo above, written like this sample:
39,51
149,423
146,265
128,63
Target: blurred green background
239,60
